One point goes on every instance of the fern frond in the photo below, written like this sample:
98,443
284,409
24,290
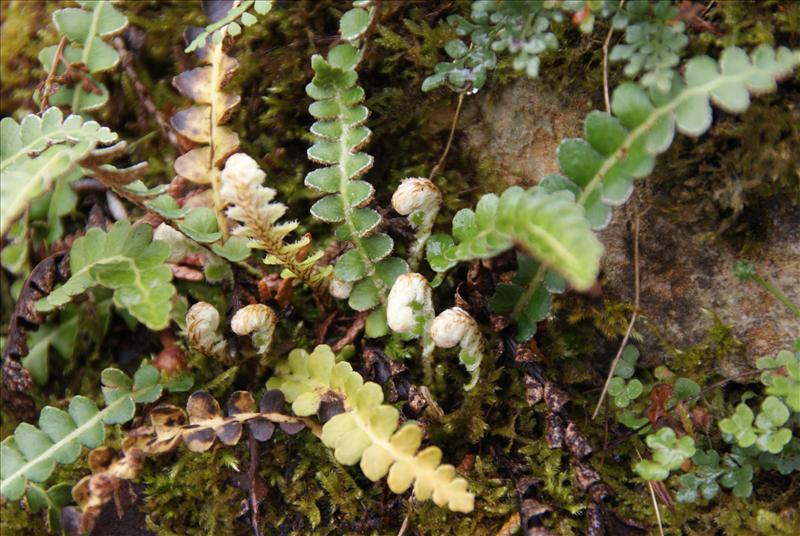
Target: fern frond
93,491
253,207
340,134
655,38
84,27
600,170
31,453
526,299
203,122
367,430
127,260
229,25
522,29
38,150
169,427
203,423
622,147
549,226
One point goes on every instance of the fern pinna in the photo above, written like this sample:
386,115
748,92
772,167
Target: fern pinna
87,28
37,151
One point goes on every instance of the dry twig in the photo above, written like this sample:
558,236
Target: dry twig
48,82
633,316
605,62
655,502
449,138
141,93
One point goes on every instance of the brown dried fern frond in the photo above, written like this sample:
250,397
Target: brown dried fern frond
203,122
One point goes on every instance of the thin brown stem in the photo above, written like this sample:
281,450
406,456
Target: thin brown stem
633,316
51,74
449,138
606,43
252,476
721,383
653,498
404,526
146,102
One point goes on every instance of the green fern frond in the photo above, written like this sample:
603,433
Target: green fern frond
84,27
31,453
655,37
38,150
367,430
368,271
549,226
228,23
600,170
622,147
526,299
127,260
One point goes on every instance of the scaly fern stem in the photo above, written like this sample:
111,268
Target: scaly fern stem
428,347
215,56
417,249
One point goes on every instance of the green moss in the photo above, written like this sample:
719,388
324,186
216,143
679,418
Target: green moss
16,521
720,342
558,480
195,496
24,35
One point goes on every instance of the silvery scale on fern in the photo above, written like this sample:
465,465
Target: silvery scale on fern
238,226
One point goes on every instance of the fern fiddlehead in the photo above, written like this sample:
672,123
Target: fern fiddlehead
252,205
